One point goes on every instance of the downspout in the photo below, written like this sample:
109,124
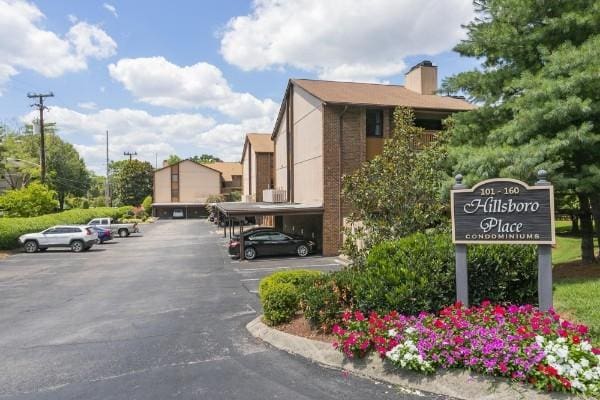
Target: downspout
341,153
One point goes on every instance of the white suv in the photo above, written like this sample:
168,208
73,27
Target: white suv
78,238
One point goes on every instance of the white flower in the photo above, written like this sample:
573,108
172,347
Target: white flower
588,375
561,340
410,330
392,333
584,362
585,346
539,339
551,359
576,384
562,352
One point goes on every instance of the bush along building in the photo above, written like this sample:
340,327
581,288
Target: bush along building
325,130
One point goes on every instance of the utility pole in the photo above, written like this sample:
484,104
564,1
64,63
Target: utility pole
40,106
127,153
107,184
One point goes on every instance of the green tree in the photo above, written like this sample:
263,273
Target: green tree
30,201
131,181
205,159
67,173
538,88
147,205
398,192
173,159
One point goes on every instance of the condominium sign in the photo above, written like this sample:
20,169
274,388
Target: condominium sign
503,211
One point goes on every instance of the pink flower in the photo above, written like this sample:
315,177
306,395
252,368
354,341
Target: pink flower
359,316
582,329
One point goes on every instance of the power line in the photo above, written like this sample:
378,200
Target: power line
127,153
40,106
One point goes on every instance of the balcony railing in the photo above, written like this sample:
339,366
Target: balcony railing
274,196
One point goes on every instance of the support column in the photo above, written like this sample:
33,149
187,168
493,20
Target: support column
544,261
462,273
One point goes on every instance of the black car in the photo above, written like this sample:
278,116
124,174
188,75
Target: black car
269,242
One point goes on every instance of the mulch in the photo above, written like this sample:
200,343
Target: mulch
300,326
577,270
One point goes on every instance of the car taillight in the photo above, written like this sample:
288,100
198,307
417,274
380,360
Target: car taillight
234,243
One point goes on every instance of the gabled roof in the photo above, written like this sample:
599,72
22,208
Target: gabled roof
260,142
372,94
227,169
192,161
379,94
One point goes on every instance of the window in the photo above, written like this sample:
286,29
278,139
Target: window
94,222
261,236
280,237
429,124
374,122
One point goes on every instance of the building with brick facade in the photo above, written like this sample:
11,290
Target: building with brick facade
183,189
257,162
325,130
231,177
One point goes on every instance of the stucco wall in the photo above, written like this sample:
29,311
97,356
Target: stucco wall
197,182
162,186
308,148
281,156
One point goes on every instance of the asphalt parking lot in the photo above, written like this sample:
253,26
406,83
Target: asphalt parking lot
153,316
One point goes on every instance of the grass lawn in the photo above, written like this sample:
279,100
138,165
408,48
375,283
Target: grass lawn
579,299
568,247
576,287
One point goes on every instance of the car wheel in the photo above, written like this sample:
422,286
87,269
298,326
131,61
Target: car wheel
302,250
77,246
30,246
249,253
123,233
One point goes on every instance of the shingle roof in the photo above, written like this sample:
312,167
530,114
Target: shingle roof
379,94
227,169
261,142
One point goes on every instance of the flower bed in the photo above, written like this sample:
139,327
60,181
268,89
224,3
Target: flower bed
517,342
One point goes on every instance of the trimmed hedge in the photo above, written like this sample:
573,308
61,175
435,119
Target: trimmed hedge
12,228
417,273
280,294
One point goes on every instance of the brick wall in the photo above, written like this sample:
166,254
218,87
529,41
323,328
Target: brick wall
353,154
264,173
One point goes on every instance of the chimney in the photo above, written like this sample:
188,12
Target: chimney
422,78
165,163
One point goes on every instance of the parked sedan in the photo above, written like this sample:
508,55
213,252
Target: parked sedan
104,235
78,238
271,243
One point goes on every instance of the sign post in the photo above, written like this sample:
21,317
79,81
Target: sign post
504,211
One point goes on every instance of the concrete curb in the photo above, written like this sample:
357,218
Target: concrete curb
458,384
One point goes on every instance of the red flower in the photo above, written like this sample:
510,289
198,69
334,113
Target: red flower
576,339
522,330
499,310
565,382
551,371
459,340
582,329
485,303
596,350
346,316
439,324
359,316
563,333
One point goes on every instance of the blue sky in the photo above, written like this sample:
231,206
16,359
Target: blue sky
192,77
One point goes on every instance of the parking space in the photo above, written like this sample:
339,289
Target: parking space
252,271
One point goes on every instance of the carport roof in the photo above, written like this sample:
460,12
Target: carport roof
177,204
262,208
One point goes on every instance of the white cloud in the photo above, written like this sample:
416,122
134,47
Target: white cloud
361,40
111,9
156,81
26,45
72,18
185,134
87,105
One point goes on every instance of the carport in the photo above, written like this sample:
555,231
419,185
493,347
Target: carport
239,211
190,210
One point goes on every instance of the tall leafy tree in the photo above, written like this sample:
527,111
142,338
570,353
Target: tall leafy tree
173,159
205,159
131,181
398,192
538,93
